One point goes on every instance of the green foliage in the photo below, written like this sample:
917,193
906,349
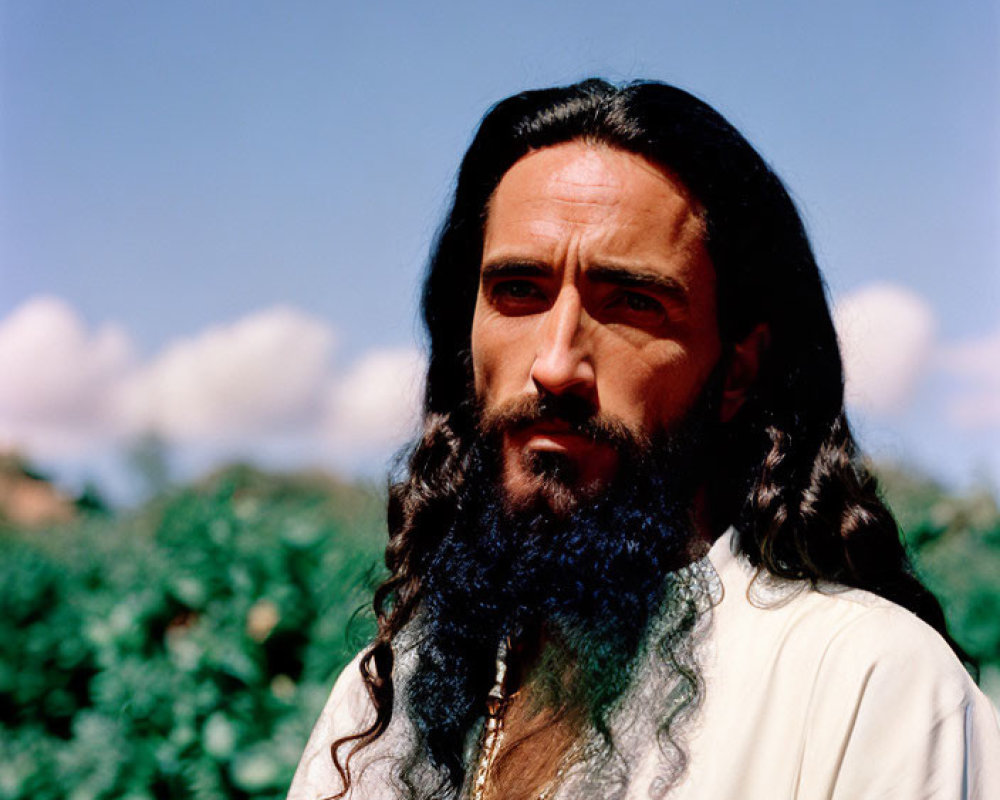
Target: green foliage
184,651
955,543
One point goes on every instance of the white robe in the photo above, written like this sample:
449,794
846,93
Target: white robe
828,694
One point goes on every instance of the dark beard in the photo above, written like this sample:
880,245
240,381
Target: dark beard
589,578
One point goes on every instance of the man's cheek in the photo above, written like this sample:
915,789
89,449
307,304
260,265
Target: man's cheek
486,376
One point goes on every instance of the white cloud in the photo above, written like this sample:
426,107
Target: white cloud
976,364
887,337
58,378
264,384
378,402
262,374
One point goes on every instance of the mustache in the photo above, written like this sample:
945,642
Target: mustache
571,411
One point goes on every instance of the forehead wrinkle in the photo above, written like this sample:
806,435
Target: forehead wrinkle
587,193
548,220
588,184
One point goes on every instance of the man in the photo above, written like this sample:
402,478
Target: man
635,553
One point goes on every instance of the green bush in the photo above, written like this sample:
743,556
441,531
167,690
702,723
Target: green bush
955,542
184,651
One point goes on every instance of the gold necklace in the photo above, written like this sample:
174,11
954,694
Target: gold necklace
497,702
496,707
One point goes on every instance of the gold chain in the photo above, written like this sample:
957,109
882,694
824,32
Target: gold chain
493,731
496,706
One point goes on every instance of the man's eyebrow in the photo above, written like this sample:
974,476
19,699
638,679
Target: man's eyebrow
515,268
639,278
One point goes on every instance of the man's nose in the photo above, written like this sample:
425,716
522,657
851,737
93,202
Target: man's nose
563,362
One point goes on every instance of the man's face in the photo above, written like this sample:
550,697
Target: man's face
596,294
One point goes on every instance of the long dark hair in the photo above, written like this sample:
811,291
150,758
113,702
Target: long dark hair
794,483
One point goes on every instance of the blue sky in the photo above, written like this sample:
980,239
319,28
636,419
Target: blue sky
170,170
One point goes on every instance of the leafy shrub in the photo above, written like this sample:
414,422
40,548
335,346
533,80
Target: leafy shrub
184,651
955,542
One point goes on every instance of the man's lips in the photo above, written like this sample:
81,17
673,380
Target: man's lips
551,446
554,437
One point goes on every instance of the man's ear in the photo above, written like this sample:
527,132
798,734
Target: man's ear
741,372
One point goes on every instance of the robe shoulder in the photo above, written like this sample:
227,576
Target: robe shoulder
834,693
348,710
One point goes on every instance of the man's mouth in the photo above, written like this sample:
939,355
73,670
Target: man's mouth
556,446
560,451
554,437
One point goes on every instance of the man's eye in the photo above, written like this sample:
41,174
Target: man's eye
640,302
516,296
638,308
515,289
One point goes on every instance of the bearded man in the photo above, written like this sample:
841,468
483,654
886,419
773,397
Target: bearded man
635,552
